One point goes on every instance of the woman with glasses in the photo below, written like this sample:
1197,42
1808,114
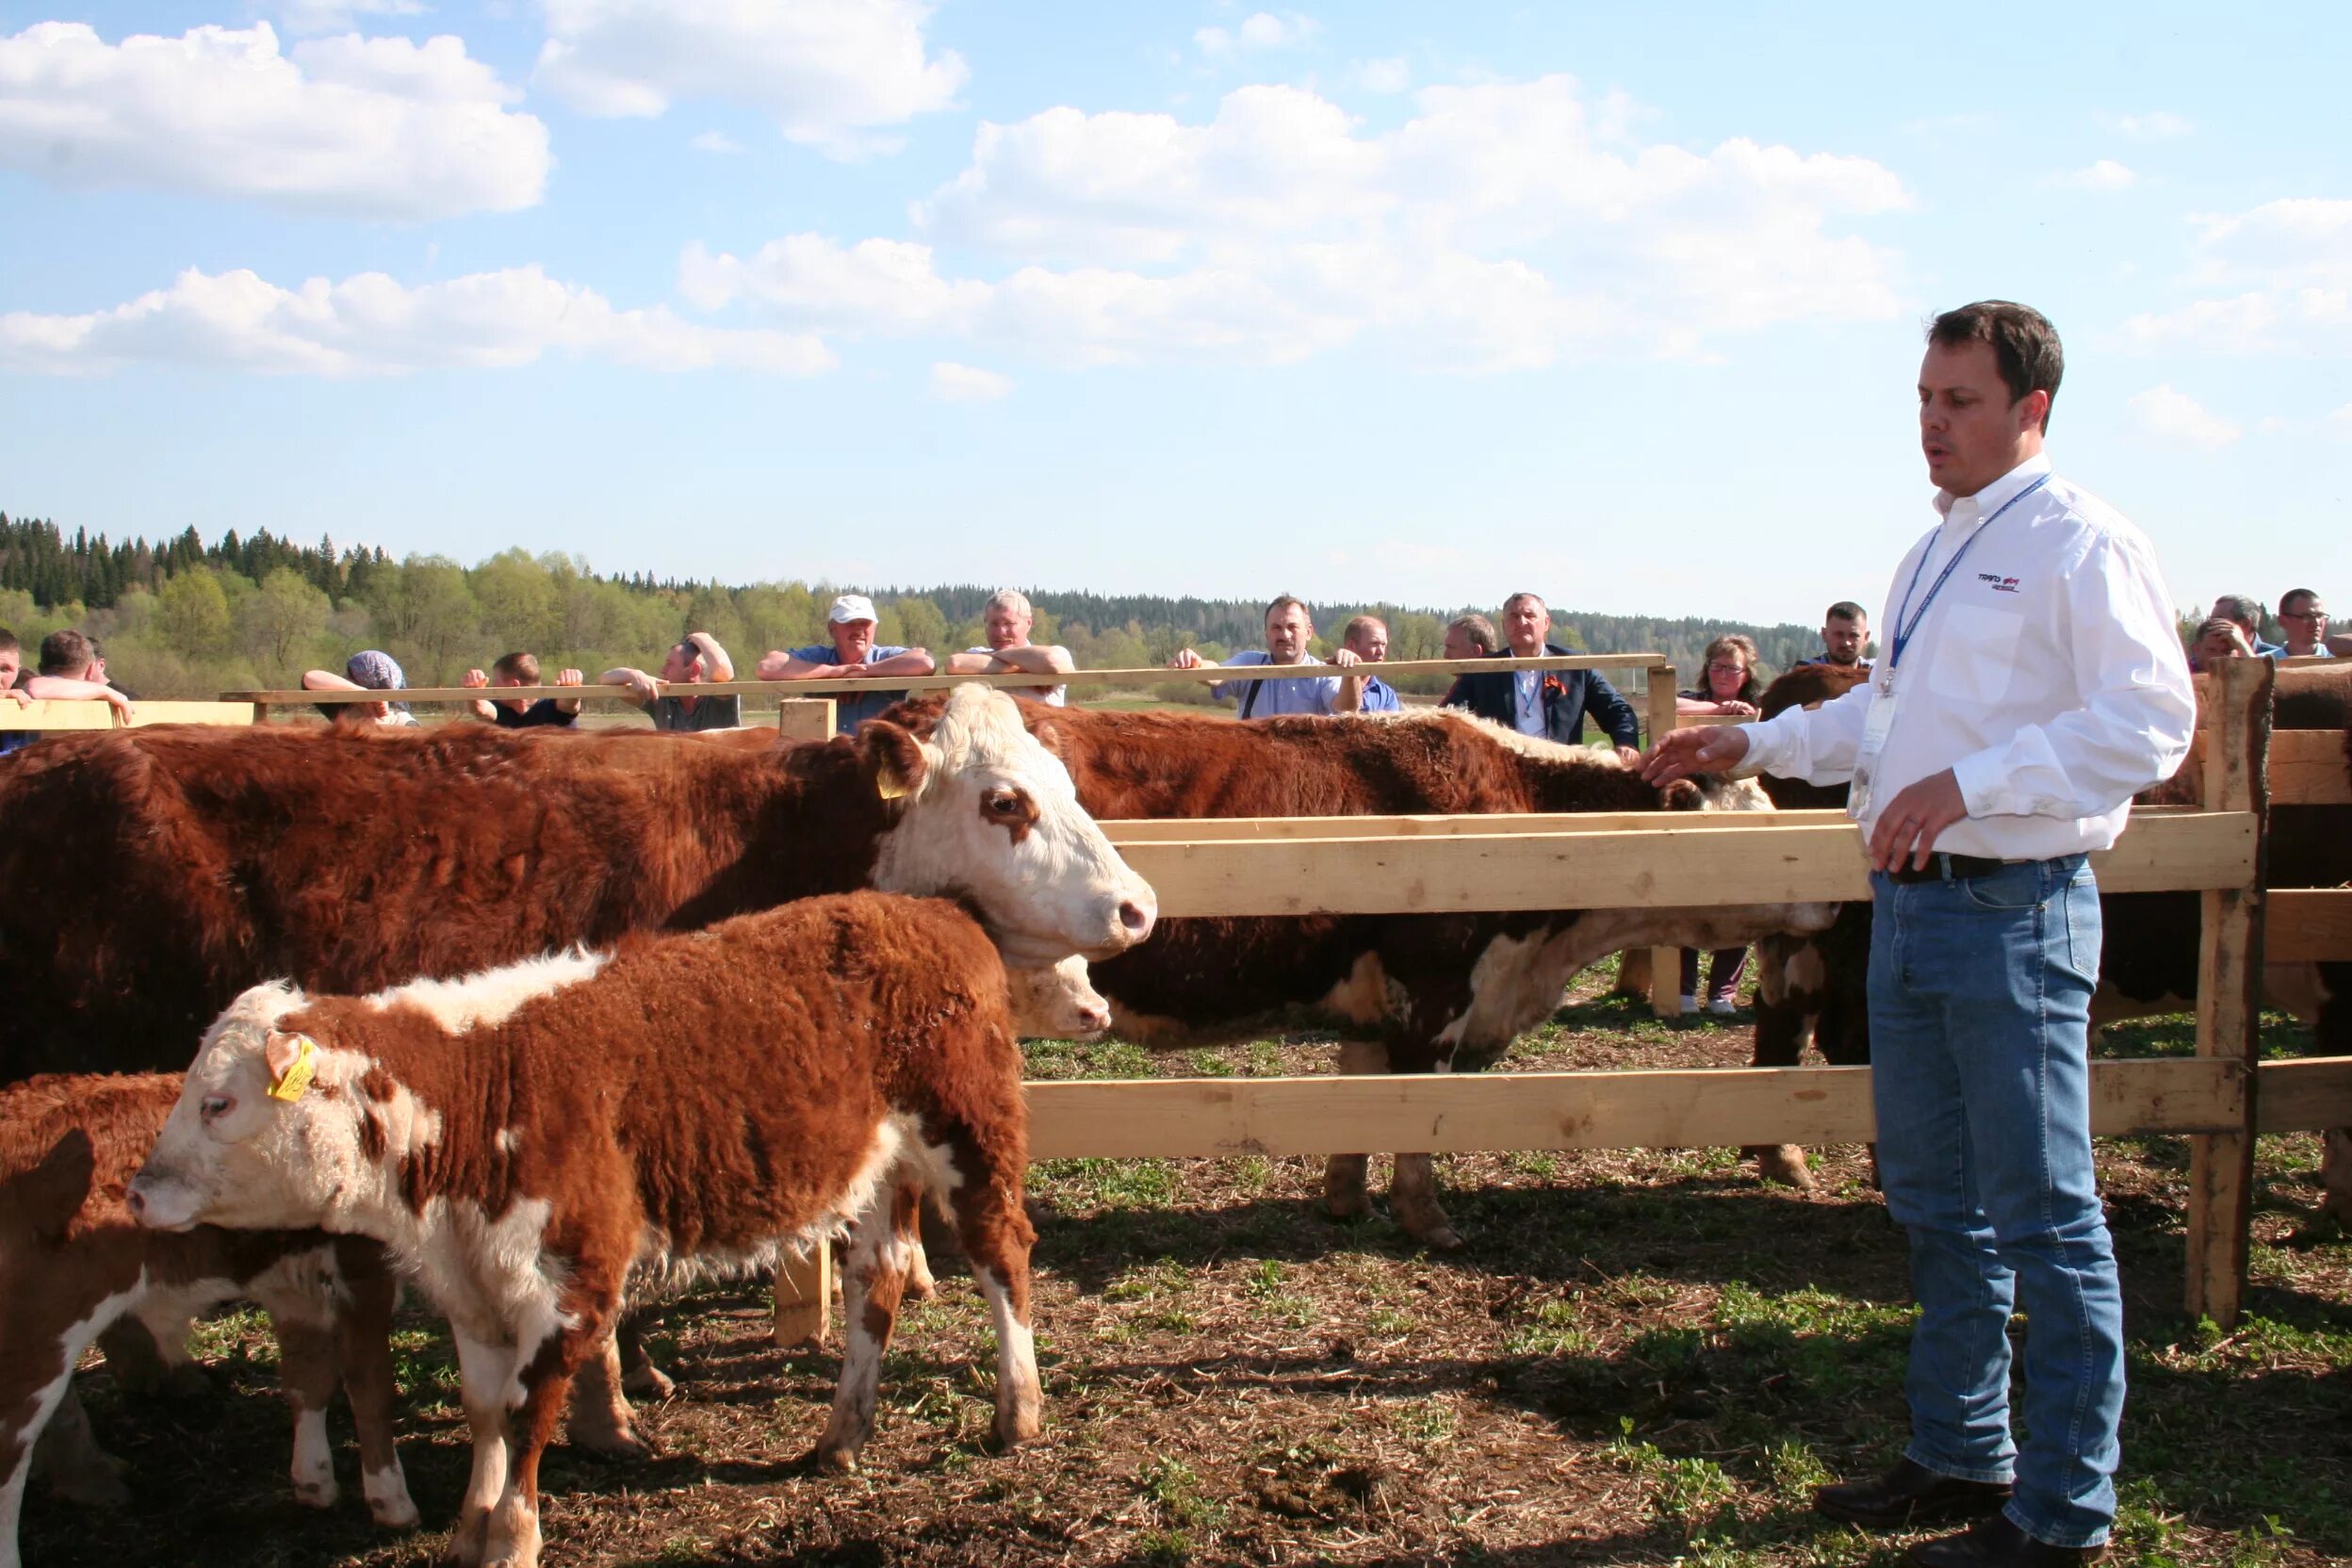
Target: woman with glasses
1730,685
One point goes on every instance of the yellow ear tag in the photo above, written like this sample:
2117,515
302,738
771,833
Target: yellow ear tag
295,1082
886,784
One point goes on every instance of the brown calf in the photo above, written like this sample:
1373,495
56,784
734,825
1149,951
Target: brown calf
73,1263
536,1141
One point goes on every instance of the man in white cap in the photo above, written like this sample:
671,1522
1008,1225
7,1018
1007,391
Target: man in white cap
853,655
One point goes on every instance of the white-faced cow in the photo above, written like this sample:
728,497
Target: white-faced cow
535,1142
1416,993
73,1264
156,874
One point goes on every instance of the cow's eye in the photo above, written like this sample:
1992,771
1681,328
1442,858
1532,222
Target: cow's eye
1005,803
217,1105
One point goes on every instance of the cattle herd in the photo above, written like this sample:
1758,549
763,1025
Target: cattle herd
549,1025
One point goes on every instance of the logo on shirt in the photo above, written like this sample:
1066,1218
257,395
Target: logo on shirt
1997,583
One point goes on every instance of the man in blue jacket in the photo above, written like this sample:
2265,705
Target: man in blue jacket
1550,703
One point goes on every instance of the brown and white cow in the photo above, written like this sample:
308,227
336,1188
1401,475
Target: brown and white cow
1417,993
73,1263
535,1142
156,874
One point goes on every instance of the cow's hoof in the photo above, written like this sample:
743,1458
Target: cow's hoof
1018,1426
1784,1163
1439,1238
624,1445
388,1502
322,1493
468,1542
648,1382
835,1459
101,1486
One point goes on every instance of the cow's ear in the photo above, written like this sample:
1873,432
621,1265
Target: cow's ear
1683,794
893,759
47,1197
1050,737
280,1051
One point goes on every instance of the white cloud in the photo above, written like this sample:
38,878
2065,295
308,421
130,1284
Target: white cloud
1500,227
2287,267
2176,418
371,325
1263,30
1393,74
2106,175
302,17
829,73
2159,126
380,128
715,141
2340,423
952,382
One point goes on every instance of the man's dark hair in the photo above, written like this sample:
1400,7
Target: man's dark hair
2292,597
1844,609
67,652
520,668
2024,345
8,641
1283,602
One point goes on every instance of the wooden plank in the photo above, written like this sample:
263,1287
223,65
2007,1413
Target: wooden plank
2306,925
2307,767
1151,677
2228,1002
1148,830
803,1298
100,715
1665,962
1445,1114
2312,1095
1667,865
807,718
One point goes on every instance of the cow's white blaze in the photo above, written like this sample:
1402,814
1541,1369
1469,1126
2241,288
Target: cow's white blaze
1047,887
494,995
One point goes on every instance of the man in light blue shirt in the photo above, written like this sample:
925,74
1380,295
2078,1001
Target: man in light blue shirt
1366,637
853,655
1288,630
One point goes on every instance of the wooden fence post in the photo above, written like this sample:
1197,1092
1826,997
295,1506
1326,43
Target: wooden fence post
804,1295
2228,994
805,718
1665,962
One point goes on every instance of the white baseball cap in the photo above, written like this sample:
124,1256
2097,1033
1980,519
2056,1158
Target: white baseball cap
852,607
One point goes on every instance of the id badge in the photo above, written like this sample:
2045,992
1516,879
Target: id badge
1875,725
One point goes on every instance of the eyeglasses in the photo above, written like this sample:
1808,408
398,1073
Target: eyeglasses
1726,669
2314,613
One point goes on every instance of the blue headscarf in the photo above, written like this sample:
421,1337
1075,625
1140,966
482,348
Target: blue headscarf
379,672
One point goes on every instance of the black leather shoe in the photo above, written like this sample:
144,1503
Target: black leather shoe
1996,1543
1910,1493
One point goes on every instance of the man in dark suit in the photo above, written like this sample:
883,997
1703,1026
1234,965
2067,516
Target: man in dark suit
1550,703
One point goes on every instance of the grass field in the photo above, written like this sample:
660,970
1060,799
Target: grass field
1639,1357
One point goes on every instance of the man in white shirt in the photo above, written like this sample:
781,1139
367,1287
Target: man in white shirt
1006,620
2033,683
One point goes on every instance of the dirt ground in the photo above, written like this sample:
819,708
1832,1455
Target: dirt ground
1638,1357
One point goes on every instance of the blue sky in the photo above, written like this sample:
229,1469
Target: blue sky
1361,301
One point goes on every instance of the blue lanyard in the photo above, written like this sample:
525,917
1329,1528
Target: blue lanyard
1902,637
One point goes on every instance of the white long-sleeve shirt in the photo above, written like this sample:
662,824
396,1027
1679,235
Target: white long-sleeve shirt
2047,675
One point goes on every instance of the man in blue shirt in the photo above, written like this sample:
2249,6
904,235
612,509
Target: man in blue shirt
853,655
1366,637
2246,611
1288,630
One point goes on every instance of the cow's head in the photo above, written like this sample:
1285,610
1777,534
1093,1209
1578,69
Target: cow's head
262,1137
984,812
1057,1003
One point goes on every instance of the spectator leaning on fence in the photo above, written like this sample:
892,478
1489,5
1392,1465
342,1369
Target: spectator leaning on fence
694,661
2247,611
1550,703
853,655
522,669
1288,630
369,670
1729,682
23,689
2217,638
2306,620
1005,620
1366,637
1845,632
1471,637
2033,683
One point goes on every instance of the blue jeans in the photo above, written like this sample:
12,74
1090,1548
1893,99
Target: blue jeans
1980,1033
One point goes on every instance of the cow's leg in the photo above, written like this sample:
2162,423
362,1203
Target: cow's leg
601,1421
68,1459
1413,1199
871,1287
308,1371
364,1346
52,1361
153,1342
639,1376
483,1371
1347,1178
920,1286
993,1225
546,1375
1786,1018
2335,1174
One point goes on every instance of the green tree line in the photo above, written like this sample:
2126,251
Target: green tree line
184,619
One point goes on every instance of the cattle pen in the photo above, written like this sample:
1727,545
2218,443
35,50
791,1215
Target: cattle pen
2221,1099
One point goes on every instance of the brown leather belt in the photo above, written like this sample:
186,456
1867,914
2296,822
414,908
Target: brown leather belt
1945,868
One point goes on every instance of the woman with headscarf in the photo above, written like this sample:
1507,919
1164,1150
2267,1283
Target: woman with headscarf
369,670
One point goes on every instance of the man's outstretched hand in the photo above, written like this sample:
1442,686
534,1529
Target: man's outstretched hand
1701,748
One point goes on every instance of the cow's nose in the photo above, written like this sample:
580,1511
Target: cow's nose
1093,1019
1135,919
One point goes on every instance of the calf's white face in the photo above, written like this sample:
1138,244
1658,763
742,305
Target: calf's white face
232,1153
1057,1003
991,815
